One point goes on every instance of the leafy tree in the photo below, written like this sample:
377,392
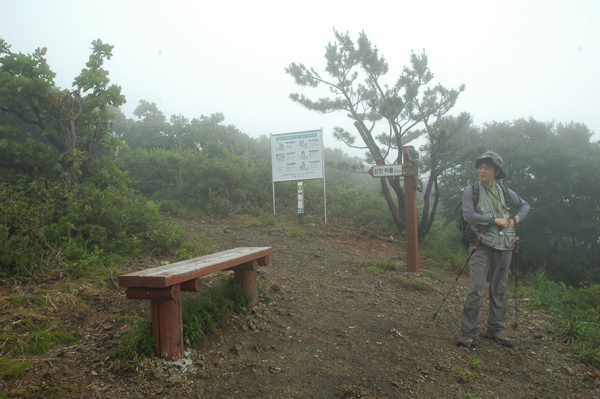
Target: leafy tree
401,108
448,142
70,126
556,168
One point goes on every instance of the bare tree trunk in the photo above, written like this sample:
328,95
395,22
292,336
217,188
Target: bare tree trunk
428,217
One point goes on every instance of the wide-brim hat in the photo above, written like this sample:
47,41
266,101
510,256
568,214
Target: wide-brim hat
496,160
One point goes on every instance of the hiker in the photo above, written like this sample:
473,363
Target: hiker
489,216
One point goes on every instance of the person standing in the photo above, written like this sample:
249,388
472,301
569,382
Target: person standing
489,216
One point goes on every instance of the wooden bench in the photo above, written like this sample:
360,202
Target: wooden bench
163,286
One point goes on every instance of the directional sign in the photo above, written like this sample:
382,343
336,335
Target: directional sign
385,170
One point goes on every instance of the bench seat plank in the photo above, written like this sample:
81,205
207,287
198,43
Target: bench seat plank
175,273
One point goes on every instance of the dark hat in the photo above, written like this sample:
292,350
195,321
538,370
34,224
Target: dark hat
496,160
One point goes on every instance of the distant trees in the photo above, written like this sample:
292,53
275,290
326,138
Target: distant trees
402,108
556,168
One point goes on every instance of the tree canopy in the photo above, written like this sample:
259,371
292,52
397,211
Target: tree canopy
356,73
556,168
66,130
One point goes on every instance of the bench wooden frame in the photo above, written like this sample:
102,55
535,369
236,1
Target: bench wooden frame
163,286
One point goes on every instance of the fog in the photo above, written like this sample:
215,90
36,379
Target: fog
518,59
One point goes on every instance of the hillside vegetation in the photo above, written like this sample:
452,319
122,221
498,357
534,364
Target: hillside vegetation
85,192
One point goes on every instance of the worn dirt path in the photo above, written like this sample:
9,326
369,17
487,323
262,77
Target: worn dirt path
335,330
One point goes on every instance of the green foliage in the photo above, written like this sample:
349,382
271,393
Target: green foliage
443,245
34,338
366,209
64,200
217,186
400,108
131,347
556,168
267,220
474,364
201,313
40,341
575,311
433,274
52,133
295,232
252,223
74,229
12,369
414,283
378,266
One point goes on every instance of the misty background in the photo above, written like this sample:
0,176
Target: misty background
518,59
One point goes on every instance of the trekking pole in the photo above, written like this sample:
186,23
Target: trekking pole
436,314
516,325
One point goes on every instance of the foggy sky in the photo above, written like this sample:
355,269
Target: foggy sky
517,58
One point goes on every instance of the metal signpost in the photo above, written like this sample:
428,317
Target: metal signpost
300,203
409,170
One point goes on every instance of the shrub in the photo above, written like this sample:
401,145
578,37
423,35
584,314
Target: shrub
42,224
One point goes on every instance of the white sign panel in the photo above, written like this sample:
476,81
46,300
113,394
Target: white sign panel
385,170
297,156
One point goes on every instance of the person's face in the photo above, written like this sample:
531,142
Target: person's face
487,173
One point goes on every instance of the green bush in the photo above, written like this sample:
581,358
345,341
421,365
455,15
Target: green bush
199,180
43,223
364,209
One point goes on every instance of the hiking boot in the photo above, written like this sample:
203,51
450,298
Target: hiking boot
499,337
467,342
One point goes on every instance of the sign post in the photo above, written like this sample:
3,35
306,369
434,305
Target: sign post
410,207
300,204
409,170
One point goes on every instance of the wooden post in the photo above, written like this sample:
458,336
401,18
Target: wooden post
410,206
167,326
246,275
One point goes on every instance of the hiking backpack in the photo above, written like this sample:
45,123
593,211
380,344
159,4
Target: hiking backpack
467,234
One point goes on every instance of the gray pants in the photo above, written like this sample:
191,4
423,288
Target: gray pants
497,262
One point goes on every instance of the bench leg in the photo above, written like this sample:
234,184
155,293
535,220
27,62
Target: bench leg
247,279
167,328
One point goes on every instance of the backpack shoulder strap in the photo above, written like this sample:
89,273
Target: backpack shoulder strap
504,192
475,188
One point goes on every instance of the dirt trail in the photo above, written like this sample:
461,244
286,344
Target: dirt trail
335,330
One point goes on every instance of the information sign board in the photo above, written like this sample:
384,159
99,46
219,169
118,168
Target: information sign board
297,156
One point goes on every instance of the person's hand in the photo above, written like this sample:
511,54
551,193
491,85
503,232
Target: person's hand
511,221
501,222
